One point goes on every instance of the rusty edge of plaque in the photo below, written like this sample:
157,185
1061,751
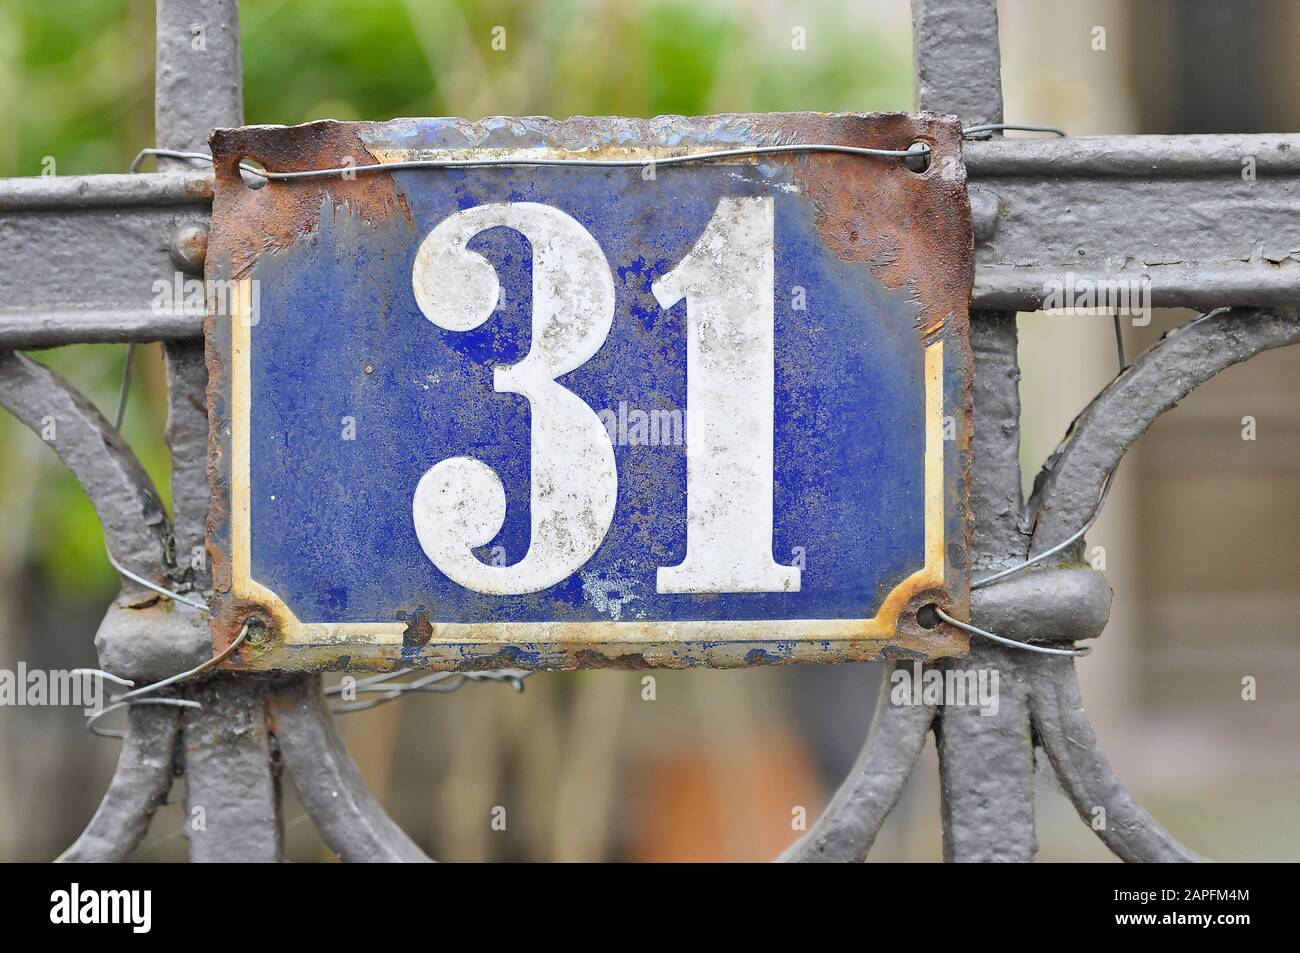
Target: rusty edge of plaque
912,229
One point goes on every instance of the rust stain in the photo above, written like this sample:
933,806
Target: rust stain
913,228
273,217
418,631
470,657
218,518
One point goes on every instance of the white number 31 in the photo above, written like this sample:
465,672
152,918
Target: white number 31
727,281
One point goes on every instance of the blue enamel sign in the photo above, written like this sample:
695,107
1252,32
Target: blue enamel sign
552,415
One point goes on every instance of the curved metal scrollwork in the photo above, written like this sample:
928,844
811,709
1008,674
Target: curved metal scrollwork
352,823
1065,494
848,828
145,769
136,529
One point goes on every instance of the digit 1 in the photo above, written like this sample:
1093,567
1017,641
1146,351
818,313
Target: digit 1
727,280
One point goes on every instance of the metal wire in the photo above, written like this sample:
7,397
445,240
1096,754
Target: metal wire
1064,544
114,733
1119,341
990,127
202,667
136,695
1013,643
432,683
162,591
917,149
124,391
107,676
196,156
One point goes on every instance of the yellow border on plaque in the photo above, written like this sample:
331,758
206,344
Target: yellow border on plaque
296,632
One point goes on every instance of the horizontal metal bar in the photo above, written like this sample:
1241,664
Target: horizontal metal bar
1160,156
1194,284
70,192
79,255
27,330
1194,221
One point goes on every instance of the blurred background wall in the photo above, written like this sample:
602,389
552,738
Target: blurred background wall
1198,533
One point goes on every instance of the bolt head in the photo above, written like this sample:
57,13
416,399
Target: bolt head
918,159
189,248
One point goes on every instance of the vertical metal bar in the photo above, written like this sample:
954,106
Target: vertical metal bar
198,74
995,493
986,766
985,762
187,438
232,791
957,59
199,87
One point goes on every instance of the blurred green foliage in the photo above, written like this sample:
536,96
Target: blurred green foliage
77,77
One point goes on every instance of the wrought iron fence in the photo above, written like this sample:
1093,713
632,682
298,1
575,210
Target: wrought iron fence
93,245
